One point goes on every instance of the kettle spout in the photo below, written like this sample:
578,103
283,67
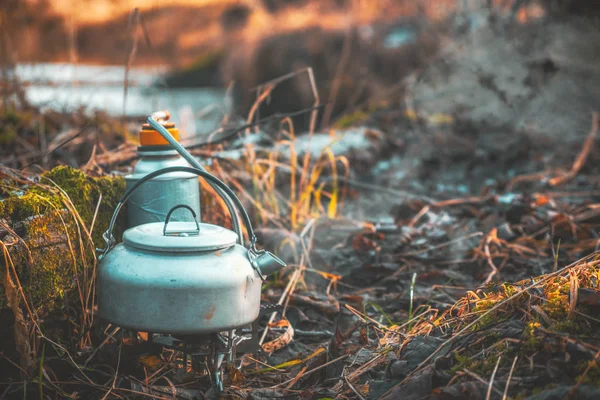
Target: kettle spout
267,263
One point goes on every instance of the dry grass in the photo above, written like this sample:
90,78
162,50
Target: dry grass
285,187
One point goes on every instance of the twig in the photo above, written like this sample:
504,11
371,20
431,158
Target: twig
356,392
512,368
230,133
581,157
313,87
490,261
491,384
392,192
412,298
320,367
95,213
173,388
419,215
110,336
264,364
297,378
460,239
116,375
480,379
280,302
58,146
261,96
591,363
367,366
461,201
339,71
133,21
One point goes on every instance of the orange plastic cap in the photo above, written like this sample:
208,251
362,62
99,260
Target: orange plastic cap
151,137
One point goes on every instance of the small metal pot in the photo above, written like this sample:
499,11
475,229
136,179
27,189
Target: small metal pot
152,202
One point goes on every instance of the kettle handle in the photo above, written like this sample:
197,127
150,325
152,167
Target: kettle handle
177,207
108,235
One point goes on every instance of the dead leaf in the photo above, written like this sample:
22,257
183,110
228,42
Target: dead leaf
283,340
150,362
235,375
541,200
329,306
362,244
364,336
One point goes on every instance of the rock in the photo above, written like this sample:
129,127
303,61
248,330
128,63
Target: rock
462,391
483,78
419,387
510,329
363,356
379,387
589,297
421,347
518,84
361,146
584,392
398,369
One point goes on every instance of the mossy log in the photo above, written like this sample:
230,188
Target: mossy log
50,227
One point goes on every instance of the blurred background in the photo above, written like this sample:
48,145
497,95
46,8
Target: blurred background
203,58
492,66
449,139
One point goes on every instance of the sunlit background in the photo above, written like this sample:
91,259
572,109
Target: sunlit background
202,58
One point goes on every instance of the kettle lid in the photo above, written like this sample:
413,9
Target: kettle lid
181,237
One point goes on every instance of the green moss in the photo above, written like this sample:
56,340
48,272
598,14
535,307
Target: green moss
8,134
84,192
557,307
21,207
509,289
40,214
492,318
483,366
11,121
557,299
531,341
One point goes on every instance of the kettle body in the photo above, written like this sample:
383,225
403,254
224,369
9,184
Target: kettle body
181,284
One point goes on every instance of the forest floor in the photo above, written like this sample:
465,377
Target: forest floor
446,249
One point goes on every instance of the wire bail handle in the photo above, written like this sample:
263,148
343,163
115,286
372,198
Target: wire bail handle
230,197
263,262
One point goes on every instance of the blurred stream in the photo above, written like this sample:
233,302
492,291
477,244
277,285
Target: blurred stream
67,87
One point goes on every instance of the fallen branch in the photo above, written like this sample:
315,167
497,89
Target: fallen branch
581,157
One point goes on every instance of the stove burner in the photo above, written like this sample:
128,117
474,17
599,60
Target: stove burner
207,353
